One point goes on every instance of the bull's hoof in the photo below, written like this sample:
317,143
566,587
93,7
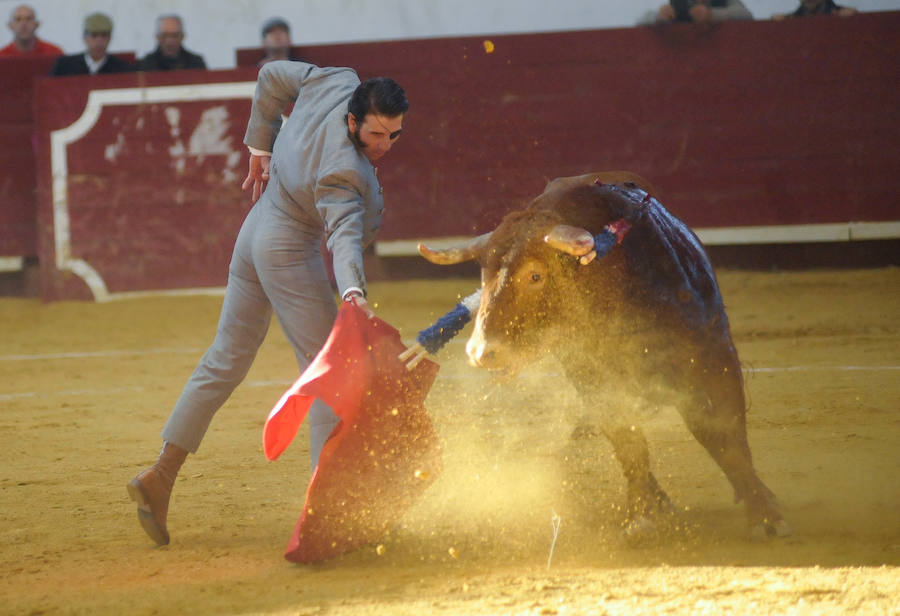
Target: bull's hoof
584,432
653,504
782,529
665,505
640,531
762,531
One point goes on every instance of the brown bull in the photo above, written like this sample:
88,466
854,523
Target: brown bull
647,318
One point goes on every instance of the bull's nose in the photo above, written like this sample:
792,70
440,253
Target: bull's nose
479,354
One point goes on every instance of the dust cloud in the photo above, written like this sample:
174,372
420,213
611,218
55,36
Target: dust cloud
823,428
519,454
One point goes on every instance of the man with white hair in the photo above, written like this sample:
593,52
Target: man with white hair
169,54
23,23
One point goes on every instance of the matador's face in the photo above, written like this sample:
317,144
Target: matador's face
376,134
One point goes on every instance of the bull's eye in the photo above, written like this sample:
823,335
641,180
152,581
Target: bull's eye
531,275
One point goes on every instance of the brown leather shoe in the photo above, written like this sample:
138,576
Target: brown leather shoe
151,490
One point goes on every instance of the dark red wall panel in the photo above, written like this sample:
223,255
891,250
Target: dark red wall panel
18,233
18,199
750,123
743,123
152,189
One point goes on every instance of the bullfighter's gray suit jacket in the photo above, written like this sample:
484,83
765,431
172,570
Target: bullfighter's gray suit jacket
320,186
319,176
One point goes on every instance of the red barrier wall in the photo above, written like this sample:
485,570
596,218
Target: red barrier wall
18,199
141,190
744,123
18,205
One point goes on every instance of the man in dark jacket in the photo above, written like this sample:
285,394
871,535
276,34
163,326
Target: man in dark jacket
817,7
276,41
169,54
97,34
697,11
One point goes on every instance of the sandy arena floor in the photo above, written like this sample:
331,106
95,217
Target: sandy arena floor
85,389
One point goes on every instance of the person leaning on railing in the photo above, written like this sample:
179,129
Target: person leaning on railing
276,41
817,7
697,11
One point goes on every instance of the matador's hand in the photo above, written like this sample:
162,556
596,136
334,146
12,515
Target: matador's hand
257,176
366,308
355,296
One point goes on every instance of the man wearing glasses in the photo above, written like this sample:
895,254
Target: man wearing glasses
169,54
316,181
97,34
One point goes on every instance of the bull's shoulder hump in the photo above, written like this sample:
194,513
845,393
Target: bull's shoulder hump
604,177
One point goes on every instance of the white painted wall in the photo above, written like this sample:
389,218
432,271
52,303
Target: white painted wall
216,27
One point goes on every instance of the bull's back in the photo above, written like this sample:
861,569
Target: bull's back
672,291
604,177
668,277
669,266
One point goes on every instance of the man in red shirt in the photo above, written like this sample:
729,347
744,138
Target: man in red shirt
23,23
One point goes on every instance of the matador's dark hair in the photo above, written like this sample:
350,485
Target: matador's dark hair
380,95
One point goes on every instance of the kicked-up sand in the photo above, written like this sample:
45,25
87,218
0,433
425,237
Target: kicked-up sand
85,389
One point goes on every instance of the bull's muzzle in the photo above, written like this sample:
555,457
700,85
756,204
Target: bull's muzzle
484,354
477,351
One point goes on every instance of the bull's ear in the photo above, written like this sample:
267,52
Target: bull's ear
458,253
570,240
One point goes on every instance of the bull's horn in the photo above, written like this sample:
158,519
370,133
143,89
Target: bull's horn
571,240
456,254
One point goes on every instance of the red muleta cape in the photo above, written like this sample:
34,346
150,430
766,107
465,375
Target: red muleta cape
383,453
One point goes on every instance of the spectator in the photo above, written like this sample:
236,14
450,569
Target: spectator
817,7
698,11
97,34
276,41
169,54
23,23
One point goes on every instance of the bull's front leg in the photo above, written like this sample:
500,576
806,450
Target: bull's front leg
645,497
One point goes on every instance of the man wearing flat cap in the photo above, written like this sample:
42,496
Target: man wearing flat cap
276,41
97,34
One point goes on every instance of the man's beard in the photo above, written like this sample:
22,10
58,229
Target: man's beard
356,138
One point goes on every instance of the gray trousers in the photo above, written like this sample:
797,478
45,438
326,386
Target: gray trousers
277,265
